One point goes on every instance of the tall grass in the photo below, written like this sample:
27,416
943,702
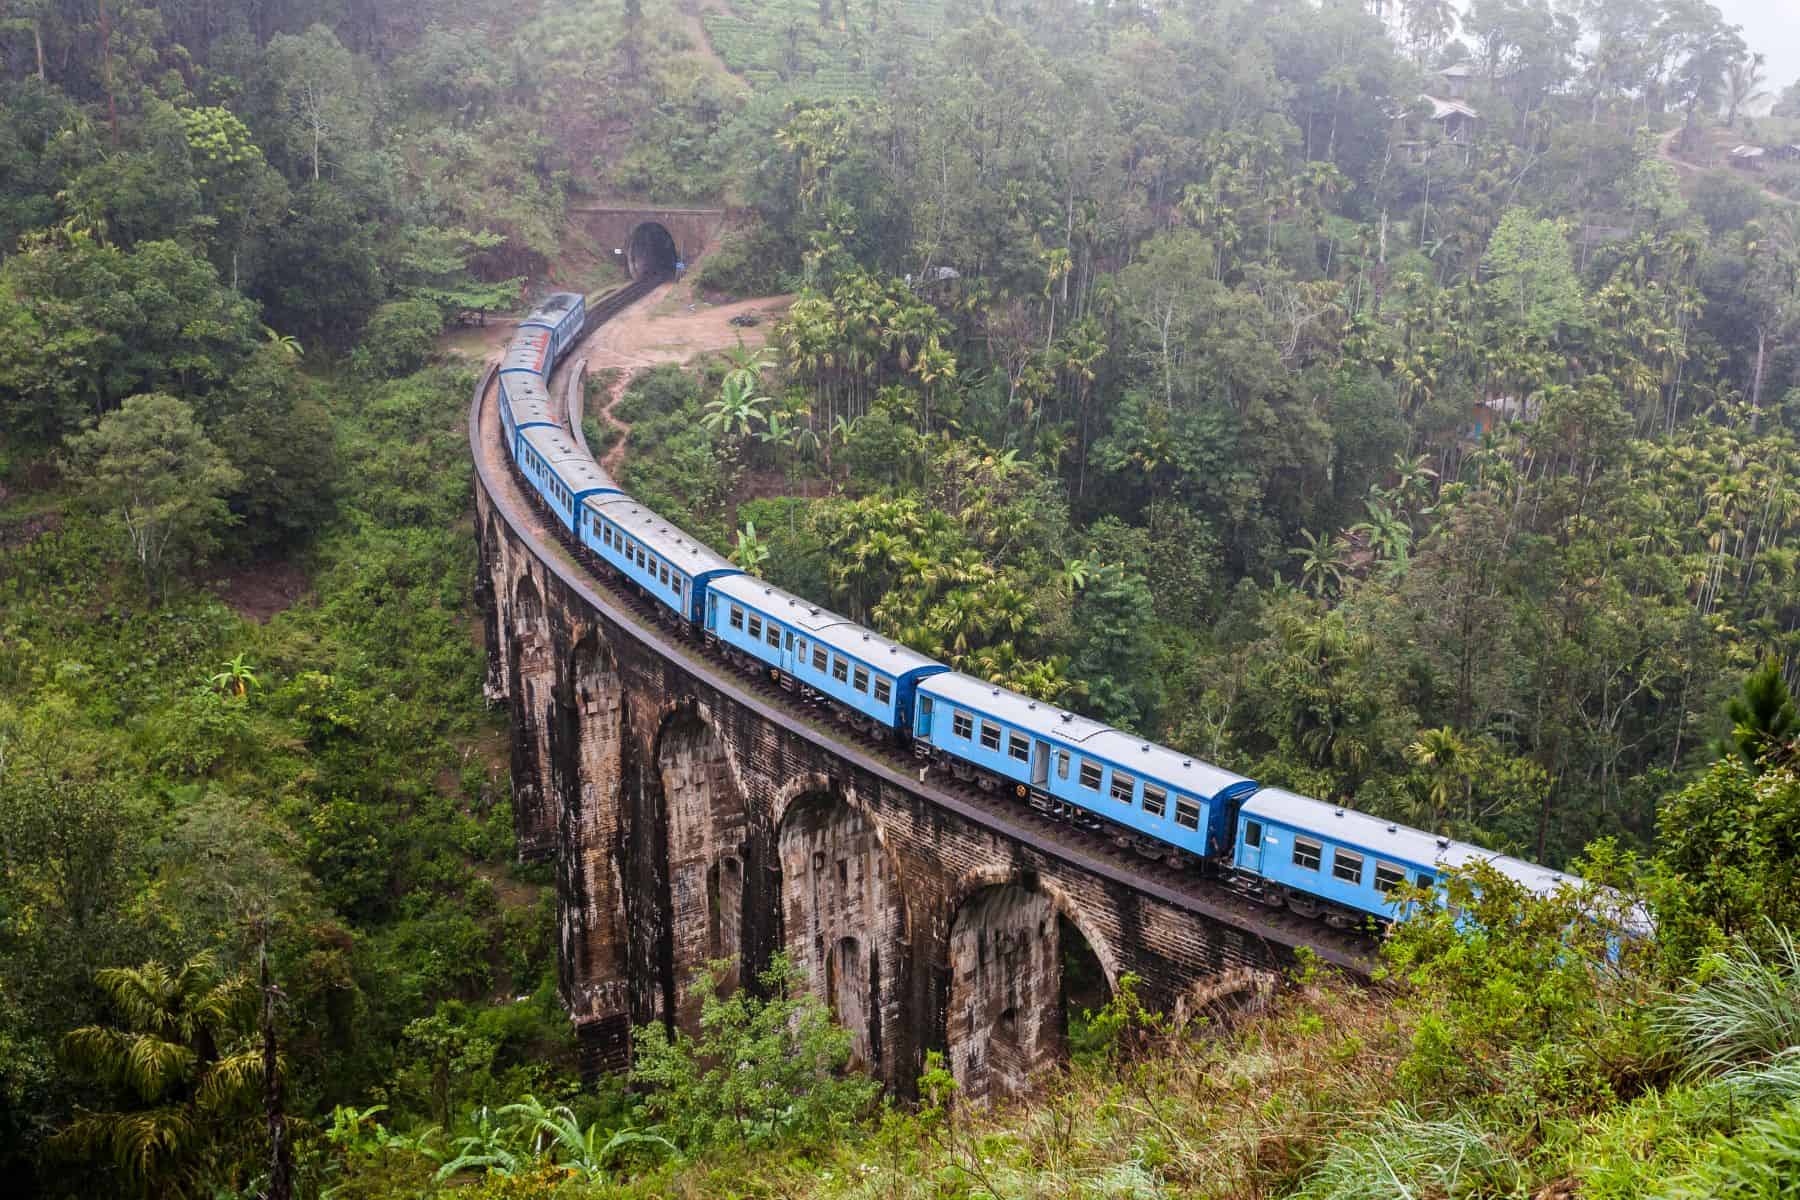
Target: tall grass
1761,1163
1747,1009
1403,1156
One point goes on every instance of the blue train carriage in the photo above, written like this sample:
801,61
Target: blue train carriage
1162,803
560,473
670,566
1325,861
524,404
871,678
561,315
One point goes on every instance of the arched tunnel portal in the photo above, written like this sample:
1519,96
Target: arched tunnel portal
651,251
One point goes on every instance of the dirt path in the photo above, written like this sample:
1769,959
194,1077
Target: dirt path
1665,150
670,325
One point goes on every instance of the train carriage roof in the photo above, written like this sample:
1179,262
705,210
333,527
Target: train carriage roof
829,629
1014,709
528,351
556,305
671,543
1388,839
578,472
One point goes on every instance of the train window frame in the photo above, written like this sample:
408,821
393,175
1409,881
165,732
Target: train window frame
859,679
736,619
754,627
1187,812
884,690
1156,800
1308,848
1092,775
821,661
990,735
962,725
1130,786
1389,876
840,669
1253,834
1062,764
772,636
1341,865
1427,880
800,651
1018,746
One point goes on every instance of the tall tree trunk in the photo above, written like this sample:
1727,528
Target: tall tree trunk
281,1158
1756,380
37,38
112,103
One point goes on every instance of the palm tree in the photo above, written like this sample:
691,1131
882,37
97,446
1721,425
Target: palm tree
1743,84
1322,563
181,1057
1763,719
1448,765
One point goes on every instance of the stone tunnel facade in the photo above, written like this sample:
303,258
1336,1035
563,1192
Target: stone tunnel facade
689,821
635,235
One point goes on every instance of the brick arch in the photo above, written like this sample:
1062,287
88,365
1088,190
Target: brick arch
706,822
999,874
1005,1007
845,917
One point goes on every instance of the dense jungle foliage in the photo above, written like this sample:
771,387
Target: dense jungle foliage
1177,362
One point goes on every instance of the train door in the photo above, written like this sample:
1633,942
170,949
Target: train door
1040,765
1250,846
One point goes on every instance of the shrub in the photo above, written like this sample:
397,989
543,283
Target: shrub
401,338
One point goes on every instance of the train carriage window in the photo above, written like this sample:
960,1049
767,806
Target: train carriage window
1156,801
884,691
800,650
1019,747
737,617
1347,866
789,639
643,559
773,637
1122,786
1062,764
840,670
1252,833
962,725
1427,880
1307,854
990,735
859,679
1187,813
819,660
1090,775
1388,877
755,628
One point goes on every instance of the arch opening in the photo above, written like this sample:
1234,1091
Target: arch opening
651,252
1021,974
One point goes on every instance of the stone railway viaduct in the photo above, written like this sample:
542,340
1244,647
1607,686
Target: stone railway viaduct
693,815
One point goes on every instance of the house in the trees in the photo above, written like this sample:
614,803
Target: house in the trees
1747,158
1436,124
1458,78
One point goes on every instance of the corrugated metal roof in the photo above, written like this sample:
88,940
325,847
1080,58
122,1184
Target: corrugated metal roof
671,543
555,305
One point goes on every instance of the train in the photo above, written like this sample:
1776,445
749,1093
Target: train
1323,861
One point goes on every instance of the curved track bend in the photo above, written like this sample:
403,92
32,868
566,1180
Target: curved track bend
1090,852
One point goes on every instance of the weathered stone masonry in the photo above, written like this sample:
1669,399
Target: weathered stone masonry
690,820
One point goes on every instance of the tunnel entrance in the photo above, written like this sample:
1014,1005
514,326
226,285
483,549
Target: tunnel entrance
651,251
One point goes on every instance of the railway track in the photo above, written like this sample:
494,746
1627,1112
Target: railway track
1086,849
